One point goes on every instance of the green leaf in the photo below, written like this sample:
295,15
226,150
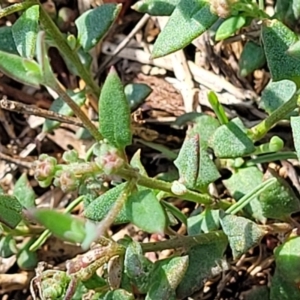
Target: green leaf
7,41
281,289
7,246
242,182
24,192
59,106
229,141
229,27
207,221
294,50
279,200
114,112
252,58
136,163
277,38
177,213
94,24
295,124
20,69
26,259
10,211
144,210
275,94
189,20
242,233
137,267
25,31
118,294
287,258
204,262
155,7
99,208
136,93
166,277
63,226
217,107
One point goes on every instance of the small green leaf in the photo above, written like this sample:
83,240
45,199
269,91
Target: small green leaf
20,69
279,200
204,262
242,233
277,93
25,31
229,141
26,259
7,246
295,124
188,161
155,7
136,163
94,24
207,221
189,20
217,107
143,208
59,106
63,226
118,294
10,211
166,277
294,50
242,182
287,258
24,192
177,213
281,289
136,93
252,58
99,208
137,267
7,41
229,27
277,38
114,112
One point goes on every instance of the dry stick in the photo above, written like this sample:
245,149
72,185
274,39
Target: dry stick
32,110
124,43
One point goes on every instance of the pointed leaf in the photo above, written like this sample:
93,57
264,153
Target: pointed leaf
242,182
24,192
59,106
295,123
94,24
279,200
155,7
204,262
229,27
137,267
20,69
99,208
230,141
25,31
166,277
189,20
143,208
136,93
242,234
136,163
252,58
275,94
277,38
10,211
114,112
63,226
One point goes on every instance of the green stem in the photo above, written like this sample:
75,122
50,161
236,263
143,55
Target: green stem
15,8
271,157
66,51
259,131
153,183
185,241
47,233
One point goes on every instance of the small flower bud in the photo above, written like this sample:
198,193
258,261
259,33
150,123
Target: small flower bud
222,8
70,156
66,181
44,167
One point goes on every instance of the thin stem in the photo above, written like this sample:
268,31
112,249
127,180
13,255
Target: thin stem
185,241
153,183
271,157
66,51
15,8
259,131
